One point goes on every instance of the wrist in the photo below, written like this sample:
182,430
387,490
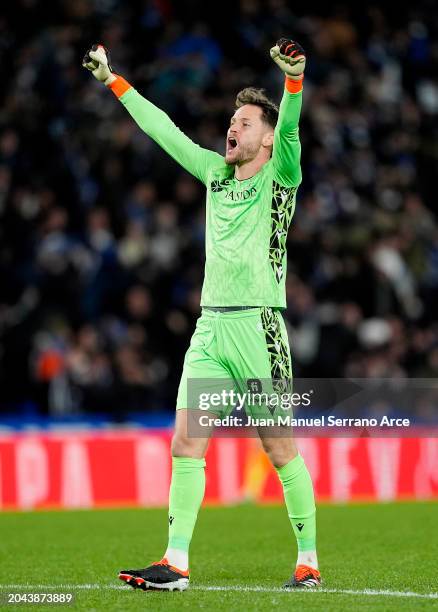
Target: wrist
112,77
118,85
294,84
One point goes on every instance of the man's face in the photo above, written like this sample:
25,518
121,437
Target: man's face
246,135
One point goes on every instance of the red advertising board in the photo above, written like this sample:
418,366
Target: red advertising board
76,470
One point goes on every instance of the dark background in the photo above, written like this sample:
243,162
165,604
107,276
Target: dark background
102,235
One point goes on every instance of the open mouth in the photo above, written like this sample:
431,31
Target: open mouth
231,143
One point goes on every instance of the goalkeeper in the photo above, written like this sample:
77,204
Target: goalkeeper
240,334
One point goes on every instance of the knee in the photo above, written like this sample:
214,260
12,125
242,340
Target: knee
183,446
280,451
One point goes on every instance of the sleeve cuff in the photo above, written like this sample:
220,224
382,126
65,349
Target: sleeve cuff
294,86
119,86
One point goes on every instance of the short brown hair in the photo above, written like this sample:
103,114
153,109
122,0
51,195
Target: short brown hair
258,97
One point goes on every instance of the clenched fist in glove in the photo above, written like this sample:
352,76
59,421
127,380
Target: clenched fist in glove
96,60
290,57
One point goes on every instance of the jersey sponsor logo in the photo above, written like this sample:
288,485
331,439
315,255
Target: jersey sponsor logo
234,196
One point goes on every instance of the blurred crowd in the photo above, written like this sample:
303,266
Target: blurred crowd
102,235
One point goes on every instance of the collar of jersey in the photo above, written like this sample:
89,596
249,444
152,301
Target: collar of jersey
239,182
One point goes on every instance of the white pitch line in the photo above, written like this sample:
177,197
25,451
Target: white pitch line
231,588
320,590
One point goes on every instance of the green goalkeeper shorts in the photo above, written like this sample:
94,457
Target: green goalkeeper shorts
242,350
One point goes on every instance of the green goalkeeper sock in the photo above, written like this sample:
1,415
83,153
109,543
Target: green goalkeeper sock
300,503
185,498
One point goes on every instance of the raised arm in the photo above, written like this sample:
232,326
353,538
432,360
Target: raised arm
153,121
290,57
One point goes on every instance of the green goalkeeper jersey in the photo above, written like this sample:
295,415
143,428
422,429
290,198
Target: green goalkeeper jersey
246,221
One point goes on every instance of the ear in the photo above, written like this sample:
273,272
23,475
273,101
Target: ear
268,139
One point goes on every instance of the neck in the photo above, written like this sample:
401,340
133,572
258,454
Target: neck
249,168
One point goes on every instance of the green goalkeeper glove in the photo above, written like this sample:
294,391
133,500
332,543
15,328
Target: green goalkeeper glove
290,57
97,61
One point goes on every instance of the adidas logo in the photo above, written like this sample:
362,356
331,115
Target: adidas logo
300,526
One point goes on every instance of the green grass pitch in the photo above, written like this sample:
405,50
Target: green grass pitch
388,547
